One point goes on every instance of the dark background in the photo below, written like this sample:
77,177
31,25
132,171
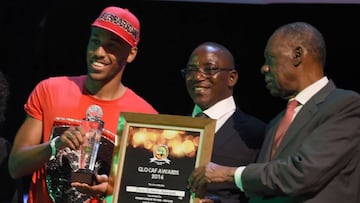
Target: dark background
47,38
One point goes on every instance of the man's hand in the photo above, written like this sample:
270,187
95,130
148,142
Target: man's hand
206,201
211,173
96,190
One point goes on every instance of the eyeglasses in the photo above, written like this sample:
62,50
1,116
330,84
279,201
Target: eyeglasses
206,72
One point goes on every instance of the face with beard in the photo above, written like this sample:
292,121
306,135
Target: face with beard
107,55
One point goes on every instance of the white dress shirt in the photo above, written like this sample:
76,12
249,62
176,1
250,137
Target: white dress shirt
220,111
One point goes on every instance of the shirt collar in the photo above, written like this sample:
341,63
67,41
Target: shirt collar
304,96
217,110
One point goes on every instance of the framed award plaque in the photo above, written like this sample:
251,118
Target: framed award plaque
155,154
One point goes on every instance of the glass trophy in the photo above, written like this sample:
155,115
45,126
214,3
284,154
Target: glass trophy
83,168
80,165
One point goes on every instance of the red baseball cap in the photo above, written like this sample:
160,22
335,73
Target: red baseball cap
121,22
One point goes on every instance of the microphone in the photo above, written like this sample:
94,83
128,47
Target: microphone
94,113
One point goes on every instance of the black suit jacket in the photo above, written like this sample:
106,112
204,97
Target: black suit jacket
318,160
236,143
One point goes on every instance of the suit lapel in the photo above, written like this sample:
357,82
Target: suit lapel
265,153
304,115
224,133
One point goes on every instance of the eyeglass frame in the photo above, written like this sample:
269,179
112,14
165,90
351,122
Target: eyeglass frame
190,71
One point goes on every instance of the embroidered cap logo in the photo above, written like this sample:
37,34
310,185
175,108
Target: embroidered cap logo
120,22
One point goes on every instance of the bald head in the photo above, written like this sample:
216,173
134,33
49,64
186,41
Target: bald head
221,52
295,56
211,74
304,35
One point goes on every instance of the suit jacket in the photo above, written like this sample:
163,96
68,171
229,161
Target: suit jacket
318,160
236,143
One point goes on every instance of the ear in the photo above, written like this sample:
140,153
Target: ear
298,55
233,78
132,54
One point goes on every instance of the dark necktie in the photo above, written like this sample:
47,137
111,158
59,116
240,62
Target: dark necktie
284,124
201,115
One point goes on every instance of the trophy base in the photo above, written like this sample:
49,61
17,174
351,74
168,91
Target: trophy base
83,176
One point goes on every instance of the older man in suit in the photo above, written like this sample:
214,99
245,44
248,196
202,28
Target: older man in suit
318,159
210,77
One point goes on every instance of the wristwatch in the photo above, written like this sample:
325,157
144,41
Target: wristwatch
53,148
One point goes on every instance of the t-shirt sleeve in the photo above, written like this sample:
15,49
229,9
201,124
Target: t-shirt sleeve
33,105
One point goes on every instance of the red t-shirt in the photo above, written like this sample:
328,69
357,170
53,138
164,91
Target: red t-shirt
64,97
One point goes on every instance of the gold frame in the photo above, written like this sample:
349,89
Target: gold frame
200,130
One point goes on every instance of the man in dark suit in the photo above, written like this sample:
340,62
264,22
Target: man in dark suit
318,159
210,77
